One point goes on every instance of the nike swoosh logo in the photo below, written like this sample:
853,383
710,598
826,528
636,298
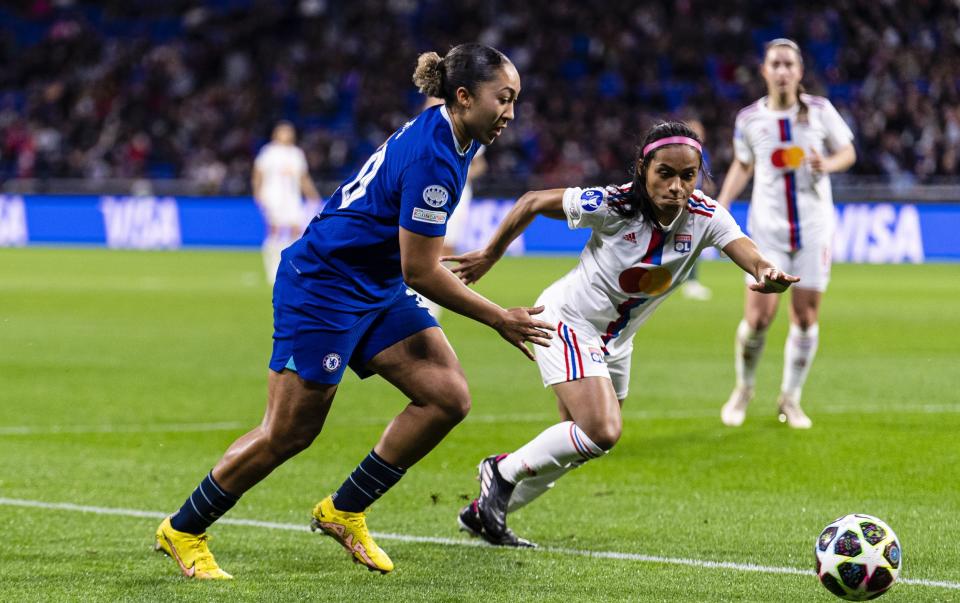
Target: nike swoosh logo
188,572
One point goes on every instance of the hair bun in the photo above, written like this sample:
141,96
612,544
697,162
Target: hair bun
428,76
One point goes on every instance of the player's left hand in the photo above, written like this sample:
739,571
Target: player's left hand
471,266
773,280
518,326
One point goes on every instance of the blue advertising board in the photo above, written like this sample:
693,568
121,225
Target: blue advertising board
866,232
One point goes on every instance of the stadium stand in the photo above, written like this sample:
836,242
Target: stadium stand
189,90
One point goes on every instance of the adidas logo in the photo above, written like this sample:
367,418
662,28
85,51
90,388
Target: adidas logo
631,237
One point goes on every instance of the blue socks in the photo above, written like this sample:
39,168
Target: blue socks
368,482
207,503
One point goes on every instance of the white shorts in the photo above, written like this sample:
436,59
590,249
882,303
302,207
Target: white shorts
282,213
811,263
577,352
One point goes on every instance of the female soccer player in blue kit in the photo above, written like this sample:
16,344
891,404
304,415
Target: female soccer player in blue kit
341,299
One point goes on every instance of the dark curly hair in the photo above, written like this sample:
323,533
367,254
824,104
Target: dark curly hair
638,201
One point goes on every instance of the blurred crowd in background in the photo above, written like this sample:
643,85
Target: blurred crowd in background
188,89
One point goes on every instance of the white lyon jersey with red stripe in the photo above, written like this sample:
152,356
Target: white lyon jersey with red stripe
628,267
791,205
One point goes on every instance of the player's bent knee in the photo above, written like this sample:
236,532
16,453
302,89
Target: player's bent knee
606,436
458,407
607,439
285,443
760,322
454,400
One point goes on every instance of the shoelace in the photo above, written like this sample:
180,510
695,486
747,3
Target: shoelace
359,521
354,517
204,556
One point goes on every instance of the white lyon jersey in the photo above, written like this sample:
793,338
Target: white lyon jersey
629,267
281,168
791,207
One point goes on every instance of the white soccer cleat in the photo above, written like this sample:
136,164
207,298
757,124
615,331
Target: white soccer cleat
791,413
734,412
696,290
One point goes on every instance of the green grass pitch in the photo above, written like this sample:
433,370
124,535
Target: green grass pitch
124,376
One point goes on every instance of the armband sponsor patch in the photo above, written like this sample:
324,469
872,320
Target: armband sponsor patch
430,217
591,199
435,195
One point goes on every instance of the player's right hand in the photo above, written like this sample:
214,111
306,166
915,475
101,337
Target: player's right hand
773,280
471,266
518,326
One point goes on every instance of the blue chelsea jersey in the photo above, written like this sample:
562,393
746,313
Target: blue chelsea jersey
349,255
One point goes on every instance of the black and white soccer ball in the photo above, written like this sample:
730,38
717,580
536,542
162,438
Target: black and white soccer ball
858,557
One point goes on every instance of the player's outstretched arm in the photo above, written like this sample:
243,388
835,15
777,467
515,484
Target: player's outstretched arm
473,265
770,279
734,182
422,270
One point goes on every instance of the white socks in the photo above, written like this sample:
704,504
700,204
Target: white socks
536,465
747,350
555,447
798,355
272,246
532,487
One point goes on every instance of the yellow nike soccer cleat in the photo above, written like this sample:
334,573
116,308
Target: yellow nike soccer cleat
350,530
190,551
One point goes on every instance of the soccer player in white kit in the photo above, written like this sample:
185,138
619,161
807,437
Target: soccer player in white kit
280,174
789,141
646,237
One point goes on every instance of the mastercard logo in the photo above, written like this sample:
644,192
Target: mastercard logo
652,281
790,157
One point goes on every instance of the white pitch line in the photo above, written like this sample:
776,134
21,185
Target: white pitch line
641,415
668,415
13,430
701,563
533,417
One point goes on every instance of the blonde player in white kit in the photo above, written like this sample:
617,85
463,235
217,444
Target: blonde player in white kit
280,174
646,237
789,141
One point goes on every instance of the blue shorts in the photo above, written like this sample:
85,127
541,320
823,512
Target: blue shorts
319,342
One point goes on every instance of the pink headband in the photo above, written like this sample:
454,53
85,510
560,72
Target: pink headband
656,144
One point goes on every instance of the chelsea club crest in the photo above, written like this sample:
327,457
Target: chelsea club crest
331,362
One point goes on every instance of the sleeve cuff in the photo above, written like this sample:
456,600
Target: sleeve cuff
571,206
